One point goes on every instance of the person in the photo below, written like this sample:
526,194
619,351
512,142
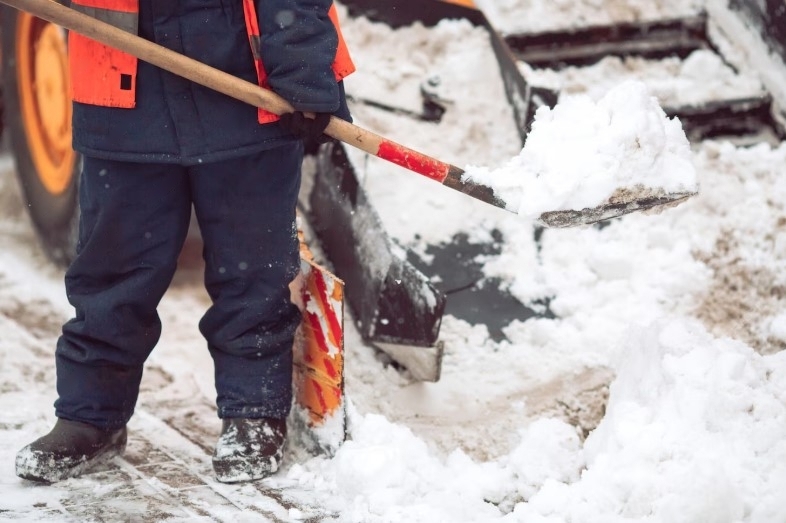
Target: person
153,147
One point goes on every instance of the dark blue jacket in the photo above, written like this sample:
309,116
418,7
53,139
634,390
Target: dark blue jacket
177,121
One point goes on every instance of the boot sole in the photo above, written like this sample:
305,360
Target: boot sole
51,473
240,470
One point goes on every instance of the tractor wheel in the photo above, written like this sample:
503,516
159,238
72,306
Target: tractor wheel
38,120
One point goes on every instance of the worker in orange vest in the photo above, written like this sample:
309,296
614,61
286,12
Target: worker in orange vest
154,145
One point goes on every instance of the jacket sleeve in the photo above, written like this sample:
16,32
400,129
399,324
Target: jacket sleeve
298,43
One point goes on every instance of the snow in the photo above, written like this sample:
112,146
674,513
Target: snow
658,393
624,141
527,16
702,77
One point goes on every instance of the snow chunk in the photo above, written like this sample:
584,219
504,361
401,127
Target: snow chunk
581,152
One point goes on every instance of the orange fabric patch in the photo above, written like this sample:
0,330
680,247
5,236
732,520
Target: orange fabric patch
342,64
102,75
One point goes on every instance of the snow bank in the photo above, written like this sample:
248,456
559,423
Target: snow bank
695,431
579,153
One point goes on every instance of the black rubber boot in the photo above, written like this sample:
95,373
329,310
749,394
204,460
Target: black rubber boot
69,449
249,449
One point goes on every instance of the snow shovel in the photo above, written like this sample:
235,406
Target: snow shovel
623,202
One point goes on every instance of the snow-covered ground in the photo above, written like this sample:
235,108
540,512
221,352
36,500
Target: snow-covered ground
658,393
532,16
702,77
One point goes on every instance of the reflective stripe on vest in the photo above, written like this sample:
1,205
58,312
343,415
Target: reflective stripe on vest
342,63
106,76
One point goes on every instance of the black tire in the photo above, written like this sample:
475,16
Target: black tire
54,213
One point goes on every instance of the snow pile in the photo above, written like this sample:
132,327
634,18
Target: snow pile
695,431
695,426
389,475
581,152
704,415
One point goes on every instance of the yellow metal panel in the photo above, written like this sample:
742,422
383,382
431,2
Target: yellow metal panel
468,3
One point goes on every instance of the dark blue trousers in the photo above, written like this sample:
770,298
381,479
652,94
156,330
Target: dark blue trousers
134,221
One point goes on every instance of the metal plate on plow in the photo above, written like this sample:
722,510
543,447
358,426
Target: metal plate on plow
457,271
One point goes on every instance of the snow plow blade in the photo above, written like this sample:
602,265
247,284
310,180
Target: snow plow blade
395,306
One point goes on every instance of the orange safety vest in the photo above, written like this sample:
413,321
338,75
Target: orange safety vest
107,76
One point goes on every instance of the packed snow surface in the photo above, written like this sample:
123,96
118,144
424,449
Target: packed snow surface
580,153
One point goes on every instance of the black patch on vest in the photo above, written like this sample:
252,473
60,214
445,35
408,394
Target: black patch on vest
125,82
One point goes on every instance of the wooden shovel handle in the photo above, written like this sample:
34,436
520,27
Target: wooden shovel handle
248,92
